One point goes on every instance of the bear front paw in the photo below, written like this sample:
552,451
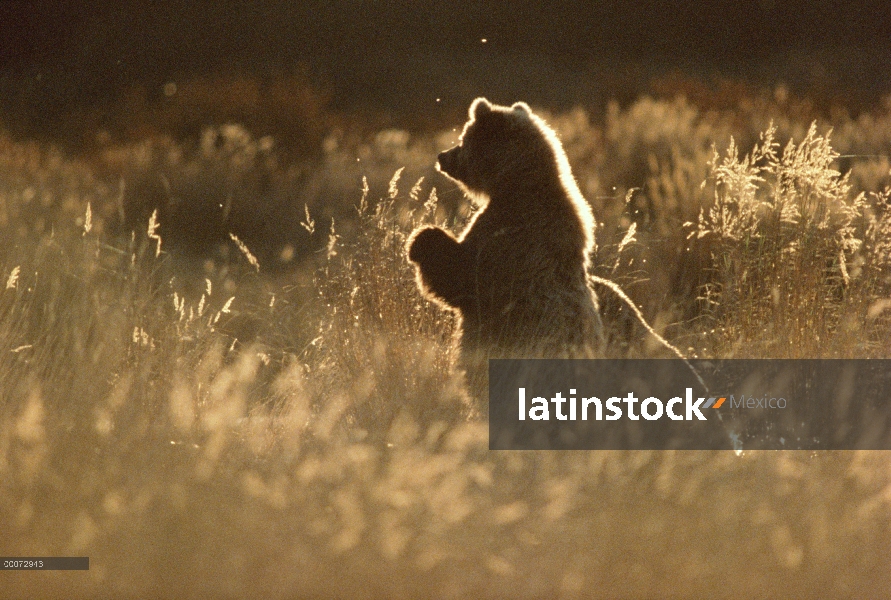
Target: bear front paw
429,243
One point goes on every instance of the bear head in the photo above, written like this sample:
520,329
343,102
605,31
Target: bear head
498,145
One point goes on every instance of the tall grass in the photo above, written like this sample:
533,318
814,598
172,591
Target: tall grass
200,428
798,259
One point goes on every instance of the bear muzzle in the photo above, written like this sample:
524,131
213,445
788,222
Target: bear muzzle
447,162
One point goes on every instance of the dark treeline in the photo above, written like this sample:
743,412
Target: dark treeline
177,34
55,54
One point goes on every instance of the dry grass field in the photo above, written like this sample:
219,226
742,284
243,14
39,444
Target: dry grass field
217,377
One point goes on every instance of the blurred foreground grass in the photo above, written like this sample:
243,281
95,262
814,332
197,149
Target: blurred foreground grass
201,427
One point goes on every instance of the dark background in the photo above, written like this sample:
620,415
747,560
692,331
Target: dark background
398,58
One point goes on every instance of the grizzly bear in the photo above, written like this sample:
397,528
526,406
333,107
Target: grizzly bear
517,275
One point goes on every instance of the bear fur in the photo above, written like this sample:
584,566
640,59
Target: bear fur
517,275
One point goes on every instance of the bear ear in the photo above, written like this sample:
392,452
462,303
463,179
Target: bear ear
521,107
480,107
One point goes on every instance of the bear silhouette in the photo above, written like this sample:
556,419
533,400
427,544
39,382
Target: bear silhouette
517,275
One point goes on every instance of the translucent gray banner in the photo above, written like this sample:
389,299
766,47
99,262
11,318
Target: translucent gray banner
700,405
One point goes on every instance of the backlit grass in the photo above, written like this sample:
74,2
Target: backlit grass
201,426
